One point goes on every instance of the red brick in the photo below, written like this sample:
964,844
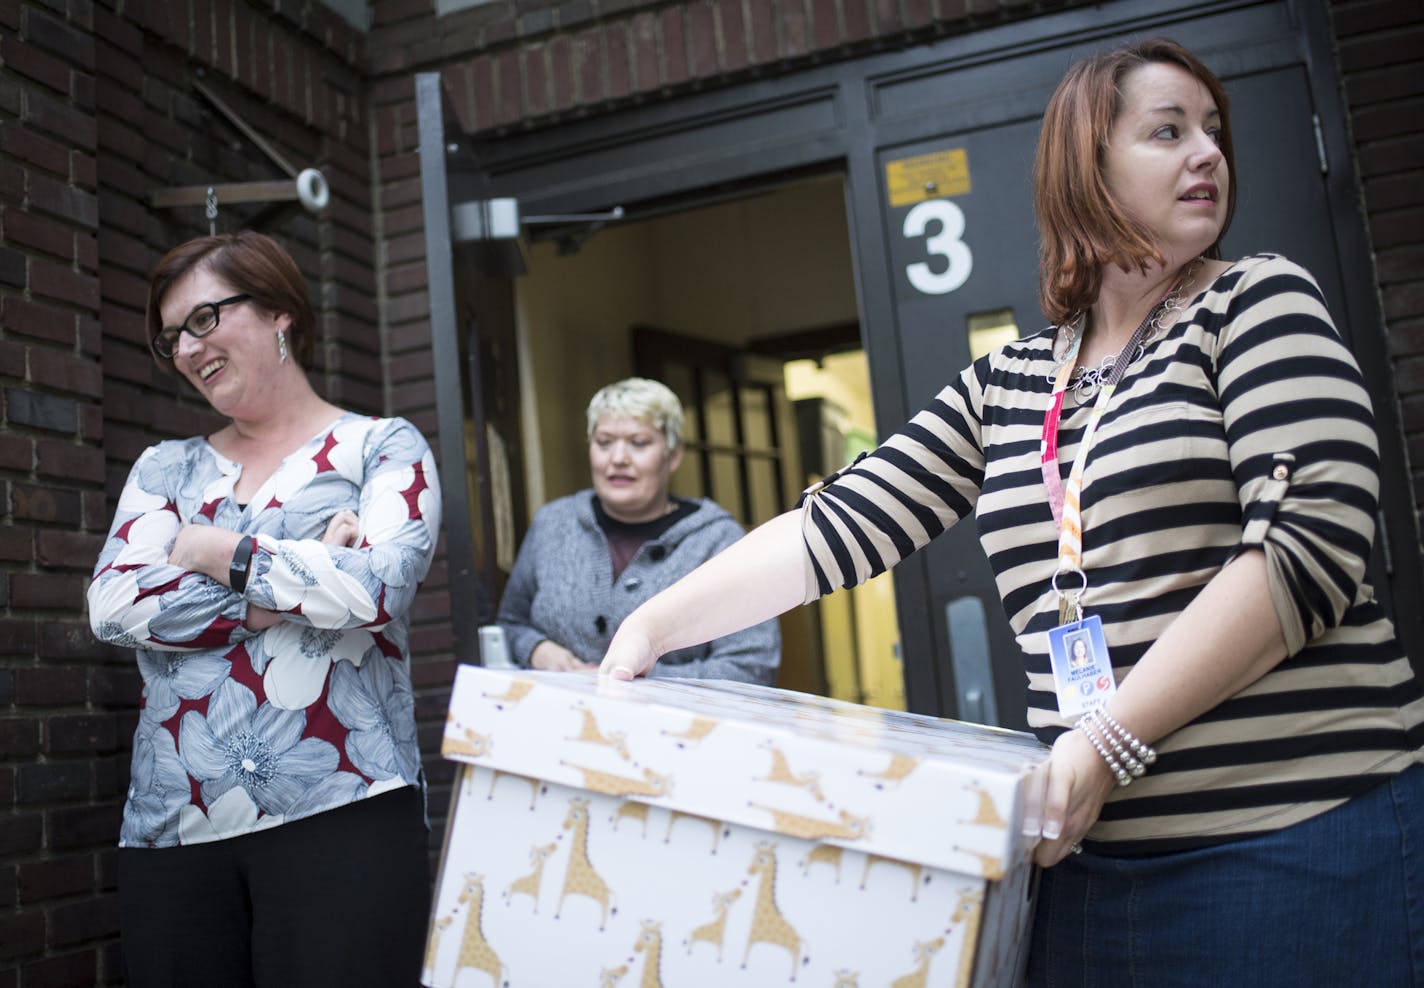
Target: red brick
17,453
508,106
69,461
83,826
96,505
16,545
73,44
33,63
87,919
1389,48
91,423
58,281
77,968
731,28
535,75
46,504
919,13
34,318
19,738
20,931
761,31
856,17
65,372
643,40
701,40
34,148
40,233
49,686
619,74
60,118
1360,18
62,200
80,734
50,591
673,33
54,878
118,31
795,32
825,24
69,640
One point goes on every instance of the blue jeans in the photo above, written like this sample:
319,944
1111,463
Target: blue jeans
1337,900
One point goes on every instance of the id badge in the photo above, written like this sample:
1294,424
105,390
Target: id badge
1082,669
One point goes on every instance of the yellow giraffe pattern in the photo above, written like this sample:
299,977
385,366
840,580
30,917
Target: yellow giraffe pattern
529,884
916,872
694,732
676,815
580,877
589,731
475,951
988,813
919,977
651,784
715,932
768,924
900,766
990,866
968,909
780,771
432,946
610,976
795,825
472,744
631,810
534,784
518,690
650,943
846,979
827,854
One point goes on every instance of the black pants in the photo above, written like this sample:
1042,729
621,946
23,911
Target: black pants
341,898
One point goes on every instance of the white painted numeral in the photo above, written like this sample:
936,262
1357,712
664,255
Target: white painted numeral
947,243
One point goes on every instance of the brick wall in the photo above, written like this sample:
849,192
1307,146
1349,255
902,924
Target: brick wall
1378,48
98,108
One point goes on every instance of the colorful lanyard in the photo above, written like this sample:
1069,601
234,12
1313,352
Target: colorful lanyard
1066,500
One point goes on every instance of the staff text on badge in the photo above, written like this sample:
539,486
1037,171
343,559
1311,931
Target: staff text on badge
927,176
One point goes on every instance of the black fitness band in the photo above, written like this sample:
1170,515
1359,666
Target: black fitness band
241,561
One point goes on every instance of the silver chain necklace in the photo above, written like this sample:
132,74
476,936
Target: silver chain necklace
1086,381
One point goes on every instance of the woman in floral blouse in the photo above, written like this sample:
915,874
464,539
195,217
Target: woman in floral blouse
274,832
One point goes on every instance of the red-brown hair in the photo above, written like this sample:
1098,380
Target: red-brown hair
251,263
1081,226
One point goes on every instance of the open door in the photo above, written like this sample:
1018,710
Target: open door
470,262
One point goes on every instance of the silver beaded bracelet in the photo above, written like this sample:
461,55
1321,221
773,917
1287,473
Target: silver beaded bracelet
1143,751
1087,725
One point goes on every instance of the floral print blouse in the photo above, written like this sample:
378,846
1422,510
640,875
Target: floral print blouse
240,730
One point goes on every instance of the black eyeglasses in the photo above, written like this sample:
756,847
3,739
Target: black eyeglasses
200,322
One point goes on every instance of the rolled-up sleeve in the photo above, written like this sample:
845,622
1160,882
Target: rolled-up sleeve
1303,451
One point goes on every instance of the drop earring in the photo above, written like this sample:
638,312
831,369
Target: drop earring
282,346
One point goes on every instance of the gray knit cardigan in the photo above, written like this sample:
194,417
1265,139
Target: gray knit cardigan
562,590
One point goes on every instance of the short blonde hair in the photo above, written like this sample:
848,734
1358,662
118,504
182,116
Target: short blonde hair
650,402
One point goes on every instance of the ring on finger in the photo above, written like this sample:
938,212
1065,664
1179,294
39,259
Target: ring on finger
1075,847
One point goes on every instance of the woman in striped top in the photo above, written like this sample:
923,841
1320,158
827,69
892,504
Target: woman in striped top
1218,525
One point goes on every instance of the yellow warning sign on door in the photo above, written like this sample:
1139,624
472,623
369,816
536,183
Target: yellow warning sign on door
927,176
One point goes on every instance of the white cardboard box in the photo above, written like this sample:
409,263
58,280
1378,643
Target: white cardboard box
684,833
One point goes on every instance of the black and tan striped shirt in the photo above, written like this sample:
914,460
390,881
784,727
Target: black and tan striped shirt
1182,474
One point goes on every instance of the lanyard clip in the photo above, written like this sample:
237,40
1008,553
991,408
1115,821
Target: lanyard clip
1070,602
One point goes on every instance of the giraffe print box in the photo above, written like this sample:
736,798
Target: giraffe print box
682,833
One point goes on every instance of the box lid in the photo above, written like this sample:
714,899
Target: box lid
936,792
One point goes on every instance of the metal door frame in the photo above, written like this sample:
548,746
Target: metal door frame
671,154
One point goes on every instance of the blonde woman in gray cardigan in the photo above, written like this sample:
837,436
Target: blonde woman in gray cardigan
590,559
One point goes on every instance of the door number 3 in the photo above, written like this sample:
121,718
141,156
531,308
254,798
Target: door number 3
947,243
